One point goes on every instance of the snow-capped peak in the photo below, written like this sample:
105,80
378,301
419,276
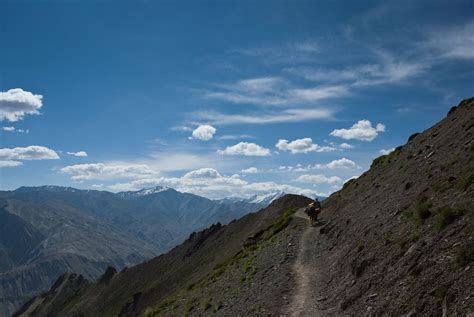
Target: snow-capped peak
143,192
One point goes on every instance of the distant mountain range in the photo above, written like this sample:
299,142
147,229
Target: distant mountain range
48,230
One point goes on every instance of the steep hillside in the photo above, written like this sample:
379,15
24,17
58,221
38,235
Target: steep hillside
49,230
399,240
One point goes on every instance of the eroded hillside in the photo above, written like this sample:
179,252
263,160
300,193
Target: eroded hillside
399,240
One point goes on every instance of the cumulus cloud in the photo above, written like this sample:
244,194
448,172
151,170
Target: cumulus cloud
346,146
362,130
204,132
8,129
78,154
16,103
342,163
105,171
319,179
304,145
10,163
32,152
246,149
385,152
250,170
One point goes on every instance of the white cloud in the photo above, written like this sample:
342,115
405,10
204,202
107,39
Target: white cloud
32,152
250,170
105,171
210,183
456,42
266,117
289,53
246,149
342,163
385,152
8,163
13,129
181,128
78,154
387,70
204,132
235,137
317,93
272,91
346,146
297,146
304,145
16,103
362,130
319,179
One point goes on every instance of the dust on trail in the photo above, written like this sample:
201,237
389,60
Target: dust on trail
305,298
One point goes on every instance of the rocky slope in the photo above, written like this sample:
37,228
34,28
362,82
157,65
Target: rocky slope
399,240
46,231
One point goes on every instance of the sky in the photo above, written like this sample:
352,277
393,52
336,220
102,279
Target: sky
222,98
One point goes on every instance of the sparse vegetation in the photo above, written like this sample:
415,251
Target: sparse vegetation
440,292
465,255
466,180
447,215
283,222
207,304
422,212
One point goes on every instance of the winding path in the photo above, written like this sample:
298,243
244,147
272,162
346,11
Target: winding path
307,299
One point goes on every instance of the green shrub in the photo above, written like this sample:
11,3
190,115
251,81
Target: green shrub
422,211
465,255
283,222
440,292
466,180
415,236
207,304
447,215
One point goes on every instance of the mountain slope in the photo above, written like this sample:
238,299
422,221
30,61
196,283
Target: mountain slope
49,230
398,240
144,285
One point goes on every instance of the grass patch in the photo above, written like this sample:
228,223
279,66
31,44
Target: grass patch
447,215
170,302
207,304
283,222
465,181
422,211
465,255
415,236
441,188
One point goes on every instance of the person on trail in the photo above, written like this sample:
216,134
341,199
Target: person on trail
313,210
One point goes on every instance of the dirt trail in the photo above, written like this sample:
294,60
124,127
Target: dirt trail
307,299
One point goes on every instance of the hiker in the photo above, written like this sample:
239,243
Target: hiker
313,211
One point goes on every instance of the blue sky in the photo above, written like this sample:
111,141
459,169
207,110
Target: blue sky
222,98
